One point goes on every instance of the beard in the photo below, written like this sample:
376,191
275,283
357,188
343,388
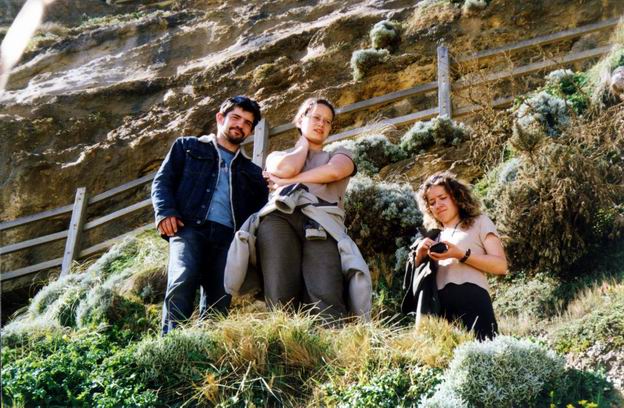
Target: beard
234,138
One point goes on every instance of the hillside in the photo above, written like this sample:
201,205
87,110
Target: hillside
97,102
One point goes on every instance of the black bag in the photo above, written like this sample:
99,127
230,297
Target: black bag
419,283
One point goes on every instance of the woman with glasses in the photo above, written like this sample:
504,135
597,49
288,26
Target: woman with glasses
300,264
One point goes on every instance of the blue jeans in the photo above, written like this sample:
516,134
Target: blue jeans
197,258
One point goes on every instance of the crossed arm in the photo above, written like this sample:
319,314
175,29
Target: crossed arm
284,168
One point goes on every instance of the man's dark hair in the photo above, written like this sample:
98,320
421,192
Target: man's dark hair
245,103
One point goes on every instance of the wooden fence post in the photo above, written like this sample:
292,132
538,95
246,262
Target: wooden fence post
72,246
261,142
444,82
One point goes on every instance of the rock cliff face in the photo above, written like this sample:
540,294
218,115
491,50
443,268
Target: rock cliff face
107,86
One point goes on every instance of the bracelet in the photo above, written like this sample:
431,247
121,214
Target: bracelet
466,256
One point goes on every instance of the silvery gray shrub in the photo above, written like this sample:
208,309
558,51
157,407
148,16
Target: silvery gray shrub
371,153
504,372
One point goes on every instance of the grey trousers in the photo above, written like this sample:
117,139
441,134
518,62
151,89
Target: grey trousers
299,272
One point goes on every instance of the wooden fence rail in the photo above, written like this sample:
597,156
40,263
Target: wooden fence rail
444,87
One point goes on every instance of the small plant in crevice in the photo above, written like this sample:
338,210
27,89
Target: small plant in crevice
385,34
440,131
362,61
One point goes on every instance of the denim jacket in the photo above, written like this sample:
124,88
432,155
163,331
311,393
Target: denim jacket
184,184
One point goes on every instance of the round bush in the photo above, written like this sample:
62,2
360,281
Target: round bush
363,60
385,34
543,111
438,131
371,153
379,213
504,372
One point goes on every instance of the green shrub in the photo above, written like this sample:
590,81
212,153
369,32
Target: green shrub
584,389
504,372
386,34
548,213
543,112
570,86
604,323
491,186
378,213
439,131
363,60
58,376
396,387
177,359
117,383
87,369
537,297
370,153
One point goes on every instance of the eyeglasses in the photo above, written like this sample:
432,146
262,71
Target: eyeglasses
320,119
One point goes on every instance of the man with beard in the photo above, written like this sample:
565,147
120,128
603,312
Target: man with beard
203,192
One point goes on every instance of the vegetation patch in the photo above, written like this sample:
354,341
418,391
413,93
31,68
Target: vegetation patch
536,296
386,34
380,209
371,153
439,131
362,61
498,373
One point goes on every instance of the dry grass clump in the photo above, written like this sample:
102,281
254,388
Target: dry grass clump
431,343
283,358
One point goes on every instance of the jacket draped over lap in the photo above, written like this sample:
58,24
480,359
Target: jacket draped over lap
241,271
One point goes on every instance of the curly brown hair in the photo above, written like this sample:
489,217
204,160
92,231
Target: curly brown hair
468,205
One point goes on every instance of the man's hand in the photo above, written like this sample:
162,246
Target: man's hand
170,225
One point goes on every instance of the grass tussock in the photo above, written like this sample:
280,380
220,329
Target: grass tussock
280,358
114,289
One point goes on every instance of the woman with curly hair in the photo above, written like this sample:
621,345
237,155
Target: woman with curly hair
471,247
